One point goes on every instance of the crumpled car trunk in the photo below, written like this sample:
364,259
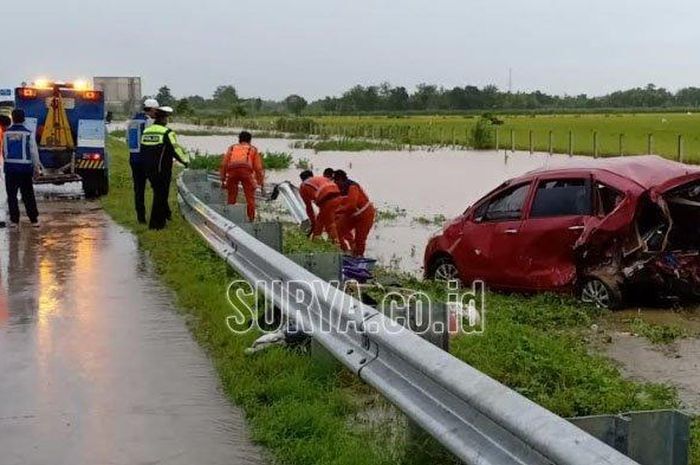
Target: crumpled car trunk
649,243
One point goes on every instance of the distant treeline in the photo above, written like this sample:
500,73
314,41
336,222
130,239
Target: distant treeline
428,98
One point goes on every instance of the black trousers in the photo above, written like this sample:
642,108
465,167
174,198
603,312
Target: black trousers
139,177
160,209
23,183
168,174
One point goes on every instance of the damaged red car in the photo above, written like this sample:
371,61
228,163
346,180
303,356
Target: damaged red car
609,230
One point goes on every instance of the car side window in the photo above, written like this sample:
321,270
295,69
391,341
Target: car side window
561,197
508,205
606,199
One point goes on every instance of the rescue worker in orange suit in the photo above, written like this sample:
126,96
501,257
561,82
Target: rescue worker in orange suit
243,165
355,215
325,194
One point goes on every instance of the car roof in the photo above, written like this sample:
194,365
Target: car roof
645,170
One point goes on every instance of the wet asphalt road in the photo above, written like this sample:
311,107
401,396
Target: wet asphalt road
96,367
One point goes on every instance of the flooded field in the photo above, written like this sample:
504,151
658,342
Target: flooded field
415,189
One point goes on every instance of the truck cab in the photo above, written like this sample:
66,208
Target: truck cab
68,121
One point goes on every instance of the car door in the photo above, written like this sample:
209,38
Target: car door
489,236
556,218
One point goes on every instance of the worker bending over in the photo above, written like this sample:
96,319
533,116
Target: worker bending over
355,215
243,165
159,147
21,163
325,194
134,130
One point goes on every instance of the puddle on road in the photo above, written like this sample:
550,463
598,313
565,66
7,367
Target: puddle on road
423,182
96,365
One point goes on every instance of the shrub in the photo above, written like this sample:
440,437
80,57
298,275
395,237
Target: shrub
481,134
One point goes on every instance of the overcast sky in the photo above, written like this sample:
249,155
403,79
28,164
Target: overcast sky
272,48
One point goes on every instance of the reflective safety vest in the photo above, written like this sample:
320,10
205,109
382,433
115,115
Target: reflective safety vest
17,149
360,196
323,187
159,146
240,156
134,131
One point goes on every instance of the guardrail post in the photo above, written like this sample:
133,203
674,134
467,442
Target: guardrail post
551,142
454,138
497,139
532,148
595,144
512,140
650,143
571,143
680,148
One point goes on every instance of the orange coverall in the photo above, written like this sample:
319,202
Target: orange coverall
355,218
242,164
326,195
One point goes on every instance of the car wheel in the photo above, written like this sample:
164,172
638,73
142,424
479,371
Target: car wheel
444,269
596,291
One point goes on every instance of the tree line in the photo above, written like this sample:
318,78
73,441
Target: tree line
385,98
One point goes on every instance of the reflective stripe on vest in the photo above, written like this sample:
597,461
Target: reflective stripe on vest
323,187
134,131
239,156
154,135
16,147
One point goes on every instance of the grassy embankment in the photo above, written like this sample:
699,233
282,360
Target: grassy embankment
306,414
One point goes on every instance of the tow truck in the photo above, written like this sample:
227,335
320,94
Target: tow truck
68,121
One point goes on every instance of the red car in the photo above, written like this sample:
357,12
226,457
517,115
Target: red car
608,231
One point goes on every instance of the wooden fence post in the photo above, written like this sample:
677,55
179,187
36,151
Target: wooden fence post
595,144
622,145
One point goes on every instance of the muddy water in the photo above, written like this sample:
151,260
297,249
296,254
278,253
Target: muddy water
423,183
96,366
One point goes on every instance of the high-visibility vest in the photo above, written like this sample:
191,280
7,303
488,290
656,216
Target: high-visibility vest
363,203
322,187
17,149
240,156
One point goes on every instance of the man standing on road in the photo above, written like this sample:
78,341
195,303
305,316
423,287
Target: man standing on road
159,147
21,163
5,122
243,165
134,131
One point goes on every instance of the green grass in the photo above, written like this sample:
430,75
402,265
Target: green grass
271,161
658,333
302,412
121,133
428,130
307,414
346,145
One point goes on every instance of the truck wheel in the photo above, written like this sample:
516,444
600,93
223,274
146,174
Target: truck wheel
601,293
104,183
91,186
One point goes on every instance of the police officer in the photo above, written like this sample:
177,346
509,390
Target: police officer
134,131
159,147
21,163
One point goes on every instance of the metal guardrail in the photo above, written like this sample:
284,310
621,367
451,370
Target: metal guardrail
476,418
